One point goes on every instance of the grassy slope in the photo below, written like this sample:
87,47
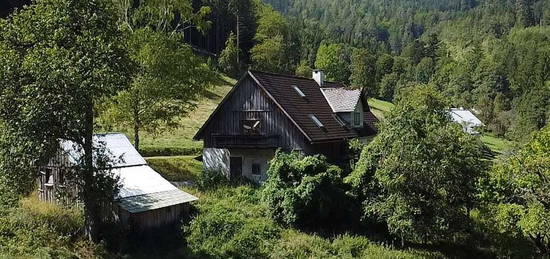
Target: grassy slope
176,168
183,136
380,108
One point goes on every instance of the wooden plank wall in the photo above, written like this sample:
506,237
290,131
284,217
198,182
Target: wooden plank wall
249,101
154,218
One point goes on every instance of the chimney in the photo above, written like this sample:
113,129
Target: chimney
319,76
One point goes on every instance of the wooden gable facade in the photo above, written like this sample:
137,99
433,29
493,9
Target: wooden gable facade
247,105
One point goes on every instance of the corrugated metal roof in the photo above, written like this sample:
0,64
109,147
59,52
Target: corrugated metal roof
121,152
341,99
152,201
138,180
465,116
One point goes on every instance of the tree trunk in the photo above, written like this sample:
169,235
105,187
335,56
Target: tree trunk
137,126
91,206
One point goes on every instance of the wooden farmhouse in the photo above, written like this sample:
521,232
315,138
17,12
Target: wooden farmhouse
265,112
146,200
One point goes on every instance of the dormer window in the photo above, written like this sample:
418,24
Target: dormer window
316,121
251,127
298,91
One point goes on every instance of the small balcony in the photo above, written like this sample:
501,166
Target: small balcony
245,141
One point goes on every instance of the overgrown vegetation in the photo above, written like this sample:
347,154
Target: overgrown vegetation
41,230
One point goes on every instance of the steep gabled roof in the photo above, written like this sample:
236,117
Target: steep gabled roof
281,89
300,109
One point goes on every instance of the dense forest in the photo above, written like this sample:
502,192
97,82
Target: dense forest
489,55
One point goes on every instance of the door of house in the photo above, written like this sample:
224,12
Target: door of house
236,167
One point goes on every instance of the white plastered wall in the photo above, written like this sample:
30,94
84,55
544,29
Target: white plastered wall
216,159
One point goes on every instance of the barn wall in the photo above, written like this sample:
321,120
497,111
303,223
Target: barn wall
52,179
249,101
154,218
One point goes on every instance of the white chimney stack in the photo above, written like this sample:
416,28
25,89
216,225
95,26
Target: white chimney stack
319,76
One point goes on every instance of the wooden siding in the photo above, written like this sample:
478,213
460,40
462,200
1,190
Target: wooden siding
250,102
53,179
154,218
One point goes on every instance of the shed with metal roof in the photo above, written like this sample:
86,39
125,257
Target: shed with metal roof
145,199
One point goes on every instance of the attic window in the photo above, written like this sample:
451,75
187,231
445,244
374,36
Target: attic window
316,121
300,93
251,127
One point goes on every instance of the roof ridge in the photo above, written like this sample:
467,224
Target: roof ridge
293,76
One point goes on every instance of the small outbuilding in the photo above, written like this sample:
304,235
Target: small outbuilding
467,119
146,200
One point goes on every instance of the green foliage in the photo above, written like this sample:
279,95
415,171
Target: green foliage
58,58
293,244
363,71
304,70
36,229
231,223
211,179
229,58
418,175
334,60
276,49
168,83
306,192
516,192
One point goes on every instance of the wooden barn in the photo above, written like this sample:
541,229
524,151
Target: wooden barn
146,200
265,112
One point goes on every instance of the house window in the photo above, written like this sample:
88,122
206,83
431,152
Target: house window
48,177
357,118
251,127
256,169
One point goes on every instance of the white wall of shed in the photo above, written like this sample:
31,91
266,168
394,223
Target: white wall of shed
216,159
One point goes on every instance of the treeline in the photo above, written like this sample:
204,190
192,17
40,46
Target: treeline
490,55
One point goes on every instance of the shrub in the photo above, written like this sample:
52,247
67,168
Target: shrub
294,244
37,229
231,223
516,193
306,192
151,151
210,179
418,175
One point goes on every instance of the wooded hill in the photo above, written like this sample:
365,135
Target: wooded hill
489,55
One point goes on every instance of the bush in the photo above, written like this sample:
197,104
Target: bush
418,175
37,229
294,244
210,179
151,151
306,192
231,223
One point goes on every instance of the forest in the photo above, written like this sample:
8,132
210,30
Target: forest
156,69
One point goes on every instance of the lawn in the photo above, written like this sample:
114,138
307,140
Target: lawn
380,108
179,141
176,168
496,144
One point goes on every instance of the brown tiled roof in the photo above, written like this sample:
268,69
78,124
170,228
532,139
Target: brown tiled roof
280,88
